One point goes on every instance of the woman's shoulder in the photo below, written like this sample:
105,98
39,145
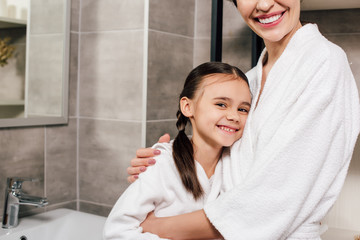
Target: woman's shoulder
318,45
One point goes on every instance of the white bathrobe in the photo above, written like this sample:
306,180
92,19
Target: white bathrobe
158,189
289,167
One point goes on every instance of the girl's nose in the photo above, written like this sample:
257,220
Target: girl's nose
264,5
233,115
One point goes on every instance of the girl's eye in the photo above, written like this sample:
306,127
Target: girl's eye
221,104
243,110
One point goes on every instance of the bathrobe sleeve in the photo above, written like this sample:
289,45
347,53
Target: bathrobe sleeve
307,122
137,201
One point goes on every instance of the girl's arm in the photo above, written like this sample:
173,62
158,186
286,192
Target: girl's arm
193,225
137,201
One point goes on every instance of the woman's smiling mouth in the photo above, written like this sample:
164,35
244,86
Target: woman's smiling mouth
270,19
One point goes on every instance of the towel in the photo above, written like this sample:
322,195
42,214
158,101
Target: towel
289,167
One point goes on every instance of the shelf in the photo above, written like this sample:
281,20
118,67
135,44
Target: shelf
11,23
12,103
337,234
329,4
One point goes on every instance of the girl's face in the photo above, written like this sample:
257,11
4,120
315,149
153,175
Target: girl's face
272,20
219,110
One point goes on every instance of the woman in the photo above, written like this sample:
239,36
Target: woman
286,172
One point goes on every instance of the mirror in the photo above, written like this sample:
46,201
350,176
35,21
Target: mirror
34,62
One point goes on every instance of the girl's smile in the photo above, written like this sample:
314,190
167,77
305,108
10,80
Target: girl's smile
228,129
219,111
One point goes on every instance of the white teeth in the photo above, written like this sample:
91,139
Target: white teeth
227,129
270,19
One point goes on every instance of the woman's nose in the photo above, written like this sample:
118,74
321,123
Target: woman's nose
264,5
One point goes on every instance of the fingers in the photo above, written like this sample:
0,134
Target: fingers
144,158
147,152
164,138
132,178
139,162
135,170
138,165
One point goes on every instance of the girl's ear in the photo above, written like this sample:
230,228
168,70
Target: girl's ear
186,107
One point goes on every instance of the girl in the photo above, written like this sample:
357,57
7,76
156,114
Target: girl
291,163
216,101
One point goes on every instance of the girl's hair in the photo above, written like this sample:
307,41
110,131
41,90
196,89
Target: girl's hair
183,151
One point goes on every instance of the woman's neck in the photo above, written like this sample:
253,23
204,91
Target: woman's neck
275,49
207,155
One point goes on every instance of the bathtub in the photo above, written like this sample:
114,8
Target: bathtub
59,224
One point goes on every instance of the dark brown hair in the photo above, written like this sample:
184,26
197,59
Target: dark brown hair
234,1
183,151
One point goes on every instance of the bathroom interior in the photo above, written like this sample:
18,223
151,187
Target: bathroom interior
90,81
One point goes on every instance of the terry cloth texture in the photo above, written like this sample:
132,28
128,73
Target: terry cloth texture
286,172
159,189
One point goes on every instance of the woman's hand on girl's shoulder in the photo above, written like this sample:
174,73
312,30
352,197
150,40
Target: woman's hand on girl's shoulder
143,159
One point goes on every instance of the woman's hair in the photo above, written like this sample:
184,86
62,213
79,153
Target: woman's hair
183,151
234,1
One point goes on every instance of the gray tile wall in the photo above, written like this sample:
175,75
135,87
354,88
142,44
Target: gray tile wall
179,40
44,153
83,165
170,59
236,36
110,74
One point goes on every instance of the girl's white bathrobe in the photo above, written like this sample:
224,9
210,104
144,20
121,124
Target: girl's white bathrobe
159,189
290,165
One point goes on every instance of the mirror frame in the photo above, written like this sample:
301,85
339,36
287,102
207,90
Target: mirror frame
63,119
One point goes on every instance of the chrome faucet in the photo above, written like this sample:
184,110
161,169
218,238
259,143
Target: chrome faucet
14,197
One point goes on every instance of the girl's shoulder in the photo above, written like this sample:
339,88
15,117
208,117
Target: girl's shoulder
164,147
164,168
165,158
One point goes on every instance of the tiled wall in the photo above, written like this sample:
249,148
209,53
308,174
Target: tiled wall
109,114
179,40
236,36
83,165
171,44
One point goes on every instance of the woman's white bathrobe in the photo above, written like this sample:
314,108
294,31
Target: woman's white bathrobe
158,189
290,165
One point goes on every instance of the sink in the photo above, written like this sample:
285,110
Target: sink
59,224
66,224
